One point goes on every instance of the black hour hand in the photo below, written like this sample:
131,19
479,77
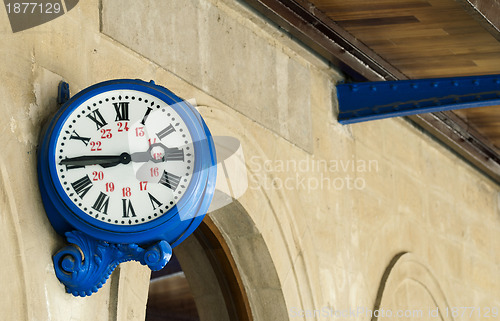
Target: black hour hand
103,160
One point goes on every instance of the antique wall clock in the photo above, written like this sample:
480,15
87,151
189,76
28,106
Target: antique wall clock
126,172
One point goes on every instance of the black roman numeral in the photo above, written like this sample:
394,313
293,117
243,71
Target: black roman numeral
82,186
121,109
75,135
146,115
170,180
175,155
97,118
128,209
166,131
154,201
101,204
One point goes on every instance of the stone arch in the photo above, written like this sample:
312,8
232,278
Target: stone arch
253,262
409,287
269,208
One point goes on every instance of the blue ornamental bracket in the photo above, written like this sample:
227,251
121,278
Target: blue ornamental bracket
85,265
360,102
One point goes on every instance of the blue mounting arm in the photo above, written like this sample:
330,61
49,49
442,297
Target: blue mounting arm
63,93
359,102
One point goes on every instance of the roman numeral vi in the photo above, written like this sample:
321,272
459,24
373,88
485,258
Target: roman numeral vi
128,209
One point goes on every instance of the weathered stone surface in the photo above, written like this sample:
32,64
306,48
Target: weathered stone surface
206,44
297,243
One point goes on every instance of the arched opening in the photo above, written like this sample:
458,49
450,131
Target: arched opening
229,272
200,283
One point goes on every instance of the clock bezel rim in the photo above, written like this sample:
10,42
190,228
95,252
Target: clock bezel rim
189,201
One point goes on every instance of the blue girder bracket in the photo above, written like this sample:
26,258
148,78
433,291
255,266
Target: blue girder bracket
359,102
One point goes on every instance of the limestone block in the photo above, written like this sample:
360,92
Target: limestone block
479,237
267,301
208,47
482,275
130,285
440,212
450,259
409,201
254,261
404,145
372,172
479,192
295,307
334,286
371,134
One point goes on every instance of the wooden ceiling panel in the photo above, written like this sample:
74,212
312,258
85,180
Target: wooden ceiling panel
485,121
430,39
434,38
379,21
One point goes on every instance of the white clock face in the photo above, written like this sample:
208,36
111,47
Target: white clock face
124,157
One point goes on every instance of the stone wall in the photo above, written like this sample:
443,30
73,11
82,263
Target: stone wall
368,216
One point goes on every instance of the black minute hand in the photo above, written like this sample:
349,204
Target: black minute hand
103,160
170,154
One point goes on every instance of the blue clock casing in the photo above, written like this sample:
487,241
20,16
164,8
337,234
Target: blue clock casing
106,241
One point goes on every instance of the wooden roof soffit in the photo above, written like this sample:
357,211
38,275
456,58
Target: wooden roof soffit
312,27
486,12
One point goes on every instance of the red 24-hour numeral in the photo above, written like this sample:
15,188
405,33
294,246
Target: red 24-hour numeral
122,127
106,134
95,146
143,185
110,187
98,176
126,192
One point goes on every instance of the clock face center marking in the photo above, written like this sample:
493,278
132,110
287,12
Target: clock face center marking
157,153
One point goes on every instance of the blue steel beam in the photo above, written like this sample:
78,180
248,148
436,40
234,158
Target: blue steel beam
359,102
